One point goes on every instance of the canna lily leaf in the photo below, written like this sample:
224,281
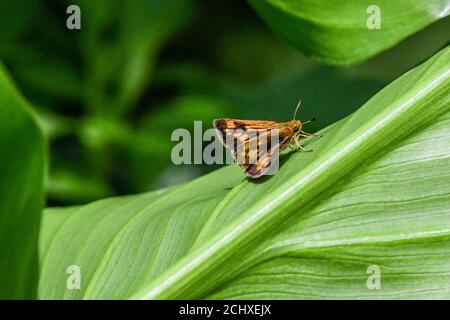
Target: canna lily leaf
347,32
22,166
368,209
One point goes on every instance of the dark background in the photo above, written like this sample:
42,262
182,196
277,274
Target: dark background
109,95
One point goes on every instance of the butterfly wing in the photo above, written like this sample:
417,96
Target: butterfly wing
265,160
251,142
221,124
230,130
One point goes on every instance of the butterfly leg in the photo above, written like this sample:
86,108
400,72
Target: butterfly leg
301,147
305,134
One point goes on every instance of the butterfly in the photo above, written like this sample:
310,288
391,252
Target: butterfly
256,144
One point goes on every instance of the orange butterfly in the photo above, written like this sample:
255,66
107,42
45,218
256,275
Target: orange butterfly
256,144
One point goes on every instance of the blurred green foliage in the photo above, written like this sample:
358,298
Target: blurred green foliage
109,95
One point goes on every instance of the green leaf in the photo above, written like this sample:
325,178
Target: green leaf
375,191
91,236
337,32
22,164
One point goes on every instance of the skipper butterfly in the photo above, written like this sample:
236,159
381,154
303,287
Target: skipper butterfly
256,144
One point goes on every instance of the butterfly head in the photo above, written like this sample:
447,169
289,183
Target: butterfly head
296,126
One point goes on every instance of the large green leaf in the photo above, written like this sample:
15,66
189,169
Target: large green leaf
375,191
337,33
22,164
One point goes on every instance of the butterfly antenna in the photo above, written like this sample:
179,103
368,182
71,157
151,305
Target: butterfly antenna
311,120
296,109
